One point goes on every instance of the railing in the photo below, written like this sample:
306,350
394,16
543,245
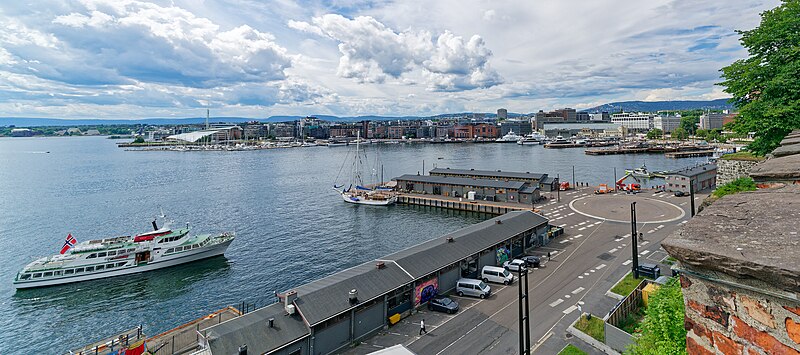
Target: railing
188,336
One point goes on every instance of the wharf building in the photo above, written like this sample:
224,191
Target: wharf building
711,120
635,122
328,315
584,129
667,124
701,176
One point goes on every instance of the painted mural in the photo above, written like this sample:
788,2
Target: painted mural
426,291
503,255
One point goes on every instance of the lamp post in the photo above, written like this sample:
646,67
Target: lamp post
691,195
558,187
524,312
634,246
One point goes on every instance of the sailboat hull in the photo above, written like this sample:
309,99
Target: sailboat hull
361,200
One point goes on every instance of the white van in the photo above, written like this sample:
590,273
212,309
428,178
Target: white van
496,274
472,287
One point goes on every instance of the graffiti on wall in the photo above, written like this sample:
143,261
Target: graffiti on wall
503,255
426,291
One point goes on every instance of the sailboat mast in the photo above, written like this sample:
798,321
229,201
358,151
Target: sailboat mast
358,159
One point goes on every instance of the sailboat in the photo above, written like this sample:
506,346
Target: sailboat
356,192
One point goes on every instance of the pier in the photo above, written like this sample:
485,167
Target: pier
617,151
462,204
690,154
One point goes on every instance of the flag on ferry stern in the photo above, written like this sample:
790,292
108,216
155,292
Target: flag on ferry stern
136,349
69,243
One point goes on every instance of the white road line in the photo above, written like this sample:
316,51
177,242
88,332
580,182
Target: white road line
556,302
578,236
582,223
644,252
580,276
562,225
563,241
645,242
600,266
570,214
577,290
567,296
660,226
570,309
581,228
613,250
627,262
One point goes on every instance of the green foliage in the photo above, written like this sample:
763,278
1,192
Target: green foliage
701,133
571,350
735,186
139,139
680,133
766,85
594,327
748,156
689,123
655,133
627,284
662,330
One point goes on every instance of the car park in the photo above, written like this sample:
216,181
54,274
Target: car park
473,287
443,304
515,265
497,275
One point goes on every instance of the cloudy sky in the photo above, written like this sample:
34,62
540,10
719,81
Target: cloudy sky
133,59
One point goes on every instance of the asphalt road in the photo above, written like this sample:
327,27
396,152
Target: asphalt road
592,255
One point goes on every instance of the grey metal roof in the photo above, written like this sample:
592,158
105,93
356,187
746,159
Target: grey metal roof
425,258
452,180
548,180
528,189
325,298
693,171
253,329
489,173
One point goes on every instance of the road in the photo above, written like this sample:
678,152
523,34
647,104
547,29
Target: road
592,255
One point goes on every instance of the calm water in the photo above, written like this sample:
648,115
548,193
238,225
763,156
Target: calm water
291,227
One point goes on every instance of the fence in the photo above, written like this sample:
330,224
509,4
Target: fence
110,344
187,337
616,338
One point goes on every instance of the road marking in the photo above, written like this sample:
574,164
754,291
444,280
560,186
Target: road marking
660,226
571,213
563,241
582,223
562,225
578,236
592,270
581,228
567,296
585,274
644,252
570,309
684,222
577,290
556,302
580,276
645,242
627,262
600,266
613,250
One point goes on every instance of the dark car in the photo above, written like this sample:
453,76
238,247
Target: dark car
650,270
680,194
531,260
443,304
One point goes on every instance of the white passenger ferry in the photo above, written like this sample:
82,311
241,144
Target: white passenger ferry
96,259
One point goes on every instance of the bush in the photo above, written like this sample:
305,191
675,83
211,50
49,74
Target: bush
571,350
138,140
662,330
627,284
735,186
594,327
747,156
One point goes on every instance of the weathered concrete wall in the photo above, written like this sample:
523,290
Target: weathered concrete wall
729,170
726,319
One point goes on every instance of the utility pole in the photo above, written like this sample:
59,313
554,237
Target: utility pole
573,176
558,187
615,179
634,240
691,194
524,312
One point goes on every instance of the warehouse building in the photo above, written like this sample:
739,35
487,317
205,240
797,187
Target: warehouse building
469,188
327,315
544,182
701,176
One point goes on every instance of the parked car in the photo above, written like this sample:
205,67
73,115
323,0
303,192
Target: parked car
496,274
532,261
515,265
473,287
680,194
443,304
650,270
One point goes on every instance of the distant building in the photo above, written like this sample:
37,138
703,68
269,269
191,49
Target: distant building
667,124
701,176
502,114
92,132
600,117
634,122
520,127
729,118
591,129
74,130
565,115
711,120
21,132
282,130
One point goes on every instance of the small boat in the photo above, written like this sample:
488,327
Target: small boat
335,143
531,139
117,256
357,193
510,137
640,172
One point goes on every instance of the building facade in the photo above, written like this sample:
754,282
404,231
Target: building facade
502,114
702,177
666,124
634,122
711,120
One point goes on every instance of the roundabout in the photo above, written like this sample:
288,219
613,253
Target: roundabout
617,208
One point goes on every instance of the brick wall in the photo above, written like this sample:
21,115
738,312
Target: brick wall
729,170
723,319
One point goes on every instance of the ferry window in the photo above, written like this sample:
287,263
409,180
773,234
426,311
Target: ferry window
121,264
170,250
69,272
100,255
112,253
91,256
195,246
109,266
80,269
57,273
49,273
25,276
89,268
38,274
100,267
131,250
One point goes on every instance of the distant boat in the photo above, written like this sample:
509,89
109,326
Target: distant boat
510,137
356,192
640,172
531,139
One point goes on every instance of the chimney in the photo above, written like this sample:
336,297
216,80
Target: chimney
450,239
155,226
353,296
289,297
271,322
243,349
380,265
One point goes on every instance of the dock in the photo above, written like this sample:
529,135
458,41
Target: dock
690,154
462,204
616,151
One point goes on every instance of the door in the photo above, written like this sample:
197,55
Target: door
142,257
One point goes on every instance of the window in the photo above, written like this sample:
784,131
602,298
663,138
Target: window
91,256
25,276
36,275
109,266
170,250
57,273
131,250
69,272
48,274
80,269
121,264
100,267
112,253
100,255
89,268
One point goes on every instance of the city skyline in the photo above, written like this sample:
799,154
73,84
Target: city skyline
133,59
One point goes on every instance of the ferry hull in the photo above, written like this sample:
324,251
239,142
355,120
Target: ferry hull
200,254
362,201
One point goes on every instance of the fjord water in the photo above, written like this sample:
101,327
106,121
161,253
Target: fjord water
291,226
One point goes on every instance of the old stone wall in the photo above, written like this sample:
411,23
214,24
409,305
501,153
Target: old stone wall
723,319
729,170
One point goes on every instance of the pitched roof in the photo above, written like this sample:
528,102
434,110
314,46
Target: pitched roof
253,329
693,171
489,173
458,181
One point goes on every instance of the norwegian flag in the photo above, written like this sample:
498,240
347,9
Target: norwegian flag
69,243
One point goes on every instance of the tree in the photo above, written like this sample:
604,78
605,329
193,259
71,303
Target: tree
655,133
139,139
766,85
662,330
700,133
680,133
689,123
